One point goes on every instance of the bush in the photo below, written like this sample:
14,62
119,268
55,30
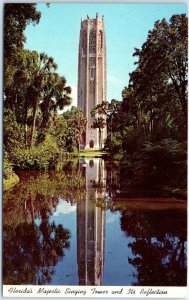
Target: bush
132,140
7,169
115,144
9,177
166,160
168,150
13,134
41,157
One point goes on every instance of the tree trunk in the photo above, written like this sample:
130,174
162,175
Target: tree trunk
144,127
111,129
99,138
185,110
26,135
33,123
78,148
26,126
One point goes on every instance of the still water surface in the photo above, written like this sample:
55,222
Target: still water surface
77,227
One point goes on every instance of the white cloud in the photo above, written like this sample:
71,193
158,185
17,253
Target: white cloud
64,207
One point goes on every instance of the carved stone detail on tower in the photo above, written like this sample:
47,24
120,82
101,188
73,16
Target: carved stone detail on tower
100,42
84,42
92,41
92,76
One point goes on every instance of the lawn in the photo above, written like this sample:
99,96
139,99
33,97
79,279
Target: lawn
92,153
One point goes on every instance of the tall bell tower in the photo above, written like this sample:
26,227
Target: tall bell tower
92,77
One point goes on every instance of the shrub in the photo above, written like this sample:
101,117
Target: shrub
41,157
168,150
13,135
115,144
132,139
7,169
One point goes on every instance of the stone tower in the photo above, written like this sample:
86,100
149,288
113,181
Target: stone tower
92,77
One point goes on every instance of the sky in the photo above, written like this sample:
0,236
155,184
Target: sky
126,28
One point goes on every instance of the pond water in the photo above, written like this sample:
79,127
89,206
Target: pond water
80,226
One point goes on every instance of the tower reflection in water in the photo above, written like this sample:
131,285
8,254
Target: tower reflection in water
91,224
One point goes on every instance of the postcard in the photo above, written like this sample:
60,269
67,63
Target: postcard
95,150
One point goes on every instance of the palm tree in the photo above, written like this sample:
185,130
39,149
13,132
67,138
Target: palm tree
56,95
109,110
76,123
100,123
45,65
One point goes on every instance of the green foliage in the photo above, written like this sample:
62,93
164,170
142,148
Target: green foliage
16,17
115,144
166,151
154,106
59,130
33,91
7,169
76,125
9,177
10,182
159,83
13,134
40,157
48,92
167,160
133,140
104,114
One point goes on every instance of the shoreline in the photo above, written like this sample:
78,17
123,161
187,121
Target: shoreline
10,182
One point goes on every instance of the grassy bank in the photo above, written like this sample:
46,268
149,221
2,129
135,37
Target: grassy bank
92,153
10,182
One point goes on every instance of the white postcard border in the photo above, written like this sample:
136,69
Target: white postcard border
127,292
21,291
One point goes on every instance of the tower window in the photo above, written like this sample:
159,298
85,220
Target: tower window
92,41
92,73
100,39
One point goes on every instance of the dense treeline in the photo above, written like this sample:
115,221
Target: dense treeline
148,128
36,135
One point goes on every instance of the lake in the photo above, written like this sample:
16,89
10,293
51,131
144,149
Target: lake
86,225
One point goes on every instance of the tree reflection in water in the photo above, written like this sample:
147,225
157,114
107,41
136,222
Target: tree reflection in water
32,251
32,245
159,246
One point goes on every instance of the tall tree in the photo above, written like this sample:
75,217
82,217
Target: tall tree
17,89
56,95
16,72
46,65
109,110
163,67
76,121
16,17
100,123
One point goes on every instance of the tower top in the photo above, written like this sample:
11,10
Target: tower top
92,19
